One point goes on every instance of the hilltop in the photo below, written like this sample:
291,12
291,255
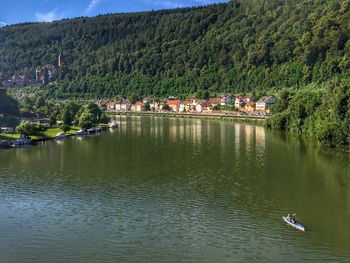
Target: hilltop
240,46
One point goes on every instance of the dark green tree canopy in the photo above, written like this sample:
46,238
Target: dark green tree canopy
238,47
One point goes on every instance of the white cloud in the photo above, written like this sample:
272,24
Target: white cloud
2,24
168,4
92,5
164,3
47,17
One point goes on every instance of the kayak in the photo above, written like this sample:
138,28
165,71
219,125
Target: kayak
295,225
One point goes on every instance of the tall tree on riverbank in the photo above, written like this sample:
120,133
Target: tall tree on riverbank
9,112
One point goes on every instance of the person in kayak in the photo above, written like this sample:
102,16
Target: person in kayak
291,219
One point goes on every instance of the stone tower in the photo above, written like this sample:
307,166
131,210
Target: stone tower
60,59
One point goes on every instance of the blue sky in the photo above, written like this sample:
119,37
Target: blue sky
17,11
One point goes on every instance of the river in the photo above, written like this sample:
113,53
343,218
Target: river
174,190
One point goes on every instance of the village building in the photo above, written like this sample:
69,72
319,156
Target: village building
111,105
45,74
182,107
174,105
265,103
16,81
34,117
204,107
138,106
154,105
215,102
227,100
190,105
249,107
241,100
125,105
161,103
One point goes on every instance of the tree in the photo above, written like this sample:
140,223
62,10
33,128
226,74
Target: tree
40,102
86,120
70,111
147,106
166,107
28,128
65,128
104,118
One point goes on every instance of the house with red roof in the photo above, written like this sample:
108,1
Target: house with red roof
174,105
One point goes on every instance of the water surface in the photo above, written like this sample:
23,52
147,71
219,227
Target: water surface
174,190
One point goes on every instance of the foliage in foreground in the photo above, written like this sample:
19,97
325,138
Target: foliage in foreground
323,114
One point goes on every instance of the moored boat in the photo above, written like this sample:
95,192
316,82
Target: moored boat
295,225
82,132
22,141
91,130
61,135
113,125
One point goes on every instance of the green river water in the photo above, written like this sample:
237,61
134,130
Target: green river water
174,190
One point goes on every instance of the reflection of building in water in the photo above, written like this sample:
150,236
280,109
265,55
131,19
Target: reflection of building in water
260,138
182,127
156,127
123,124
197,132
237,138
173,130
248,136
136,126
260,146
223,127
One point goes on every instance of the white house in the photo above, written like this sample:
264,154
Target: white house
203,106
265,103
182,107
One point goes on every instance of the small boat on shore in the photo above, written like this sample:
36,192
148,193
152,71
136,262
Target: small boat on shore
98,129
82,132
295,224
113,125
61,135
22,141
91,130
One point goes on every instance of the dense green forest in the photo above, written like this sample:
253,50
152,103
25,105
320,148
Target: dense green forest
240,46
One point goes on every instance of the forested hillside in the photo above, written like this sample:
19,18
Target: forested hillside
240,46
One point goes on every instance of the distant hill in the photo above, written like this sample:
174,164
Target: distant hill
239,46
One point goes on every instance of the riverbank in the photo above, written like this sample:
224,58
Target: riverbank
46,135
49,134
217,116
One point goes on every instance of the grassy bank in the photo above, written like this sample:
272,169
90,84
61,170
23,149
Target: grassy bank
49,133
